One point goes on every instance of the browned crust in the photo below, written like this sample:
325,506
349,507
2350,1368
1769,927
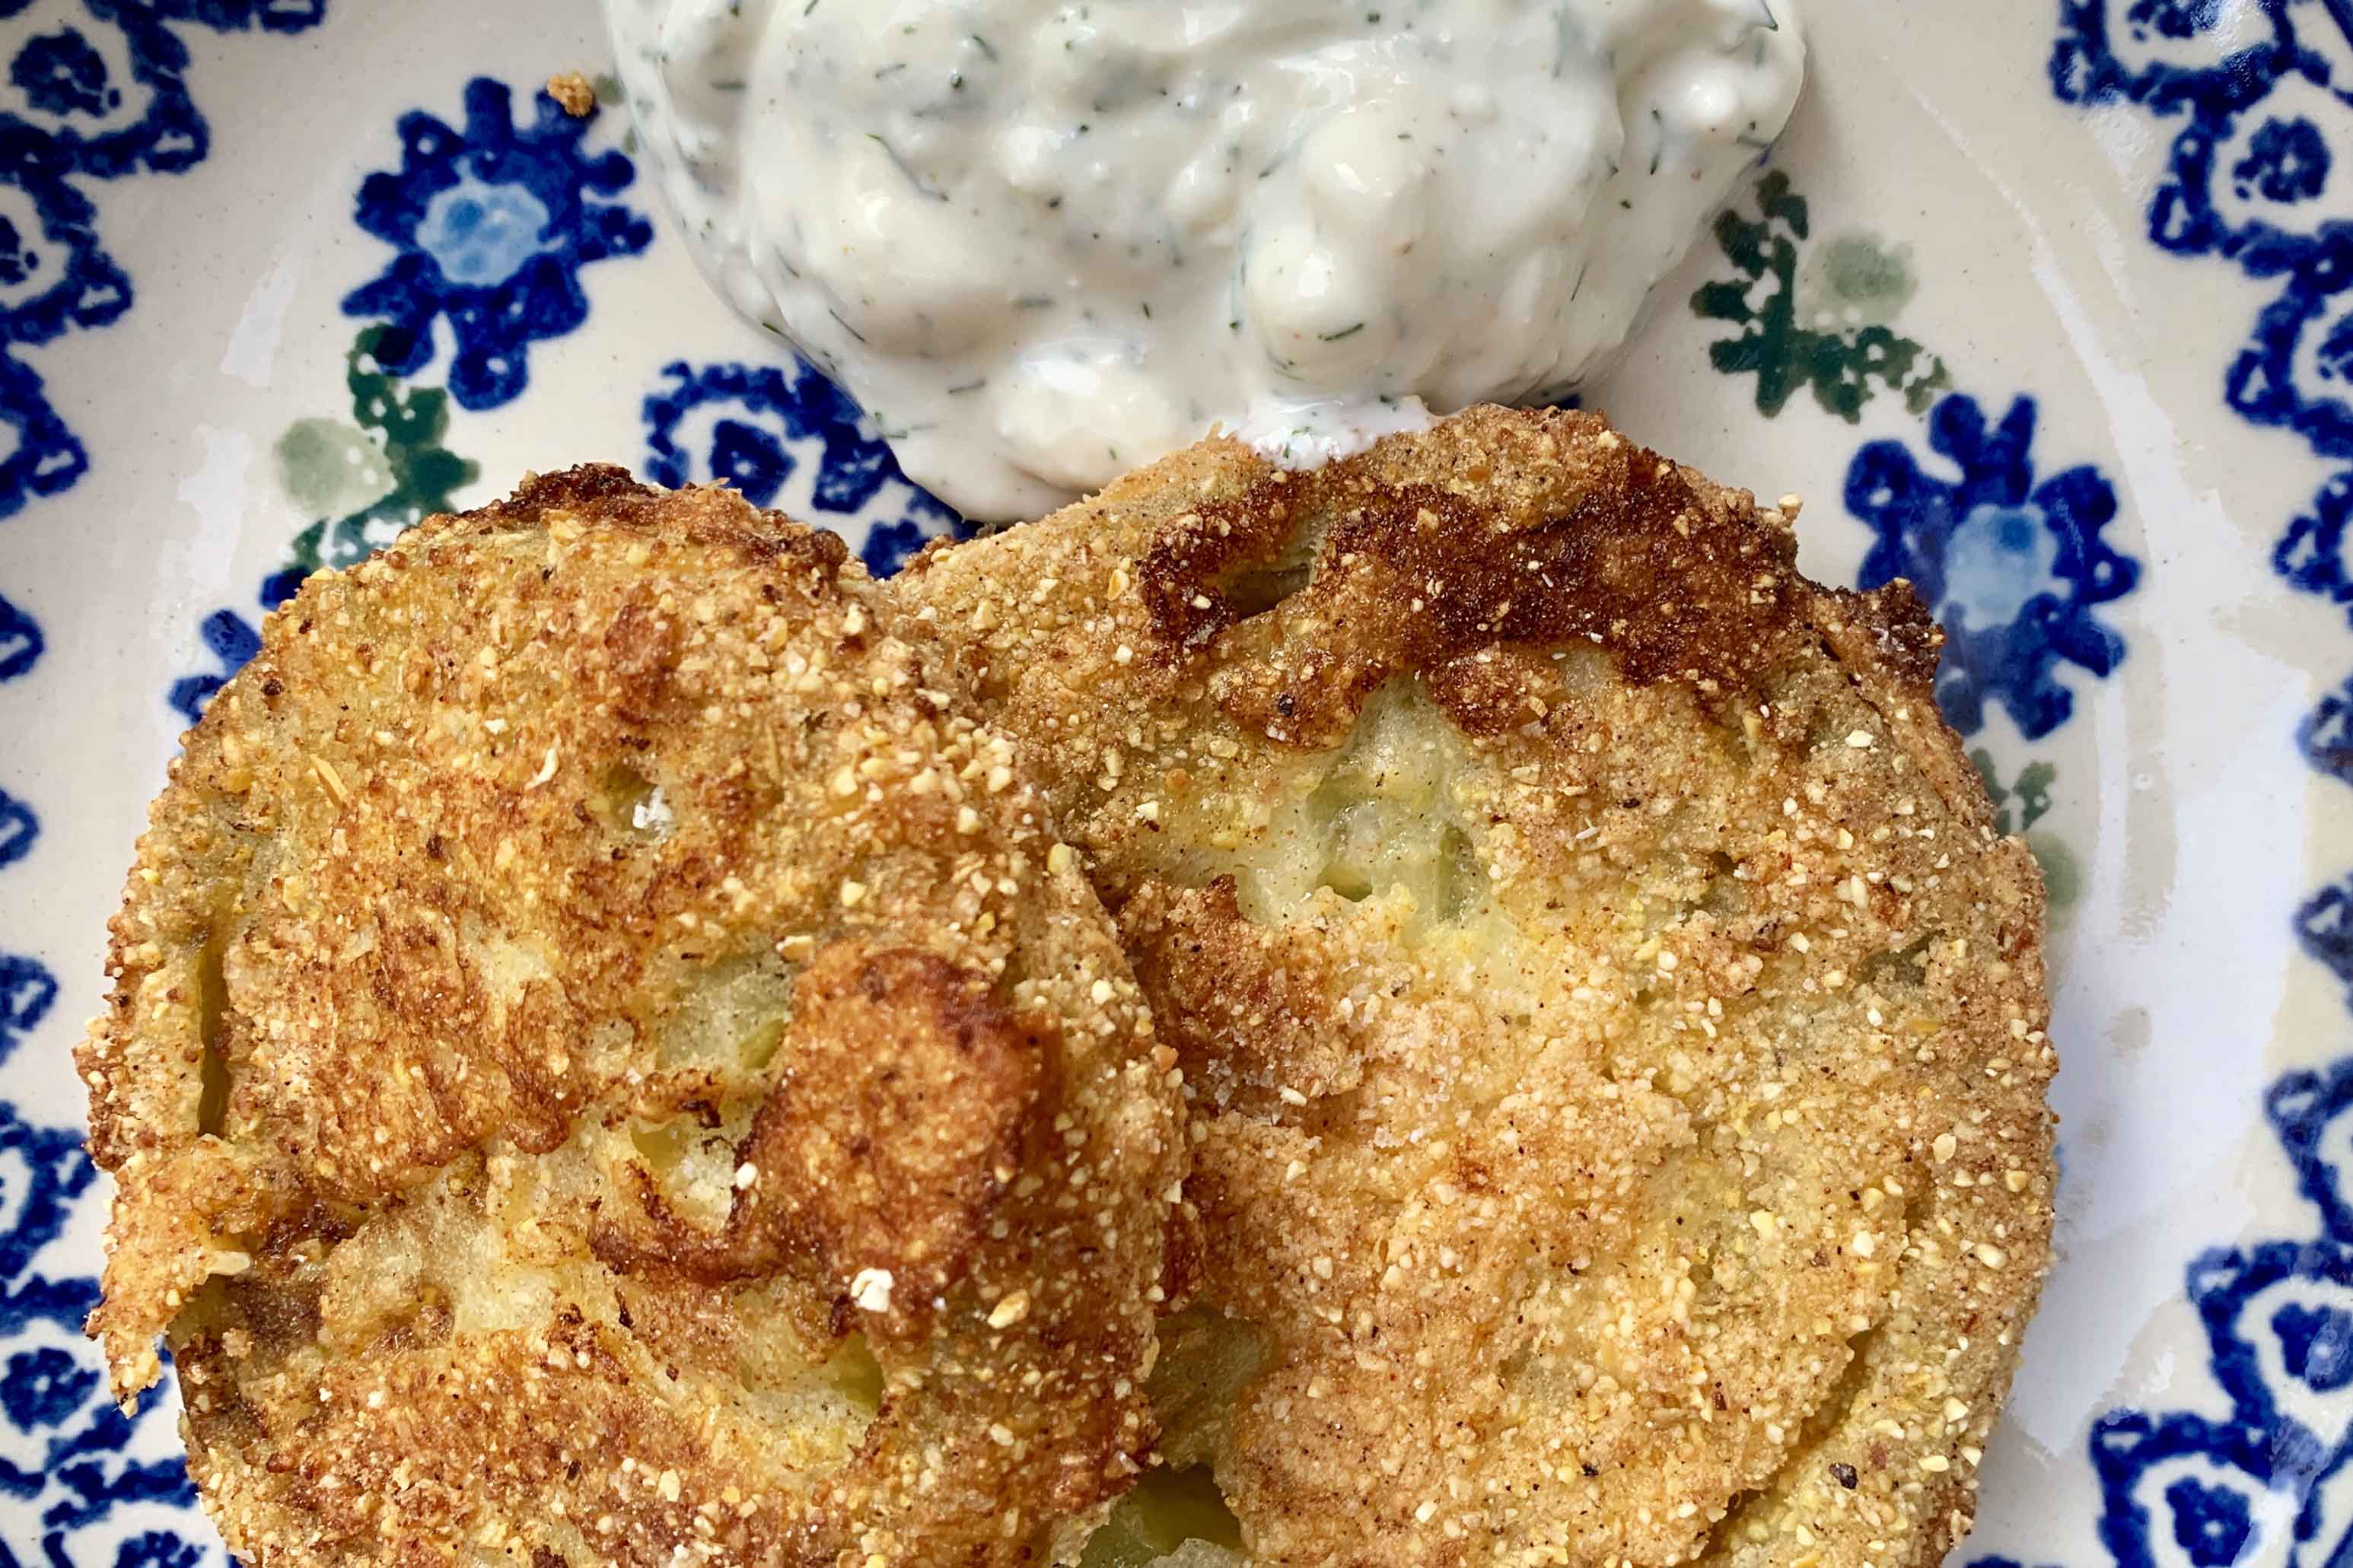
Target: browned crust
886,1143
1674,579
575,960
1744,988
1249,1006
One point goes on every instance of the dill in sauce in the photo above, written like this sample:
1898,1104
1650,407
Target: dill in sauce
1338,214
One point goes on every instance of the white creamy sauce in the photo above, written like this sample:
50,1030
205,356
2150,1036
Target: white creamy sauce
1045,242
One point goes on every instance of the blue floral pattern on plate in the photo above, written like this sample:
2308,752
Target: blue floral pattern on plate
95,91
2203,1487
2278,1316
100,88
18,828
739,425
20,641
231,639
70,1484
2013,564
26,992
2255,179
493,225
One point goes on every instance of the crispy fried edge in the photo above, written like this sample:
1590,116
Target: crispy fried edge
1705,605
125,1116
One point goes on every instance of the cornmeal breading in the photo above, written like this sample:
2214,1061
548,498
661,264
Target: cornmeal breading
1613,1033
606,1066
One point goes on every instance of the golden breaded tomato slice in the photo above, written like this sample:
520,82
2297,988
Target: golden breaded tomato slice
606,1064
1614,1033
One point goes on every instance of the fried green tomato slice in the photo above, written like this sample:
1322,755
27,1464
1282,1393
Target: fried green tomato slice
1614,1034
607,1065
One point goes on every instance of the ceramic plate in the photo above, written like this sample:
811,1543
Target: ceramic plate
2046,305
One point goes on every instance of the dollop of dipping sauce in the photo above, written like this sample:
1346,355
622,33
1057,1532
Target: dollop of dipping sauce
1042,243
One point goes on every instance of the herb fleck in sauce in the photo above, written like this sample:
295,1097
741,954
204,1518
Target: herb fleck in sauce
1336,215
